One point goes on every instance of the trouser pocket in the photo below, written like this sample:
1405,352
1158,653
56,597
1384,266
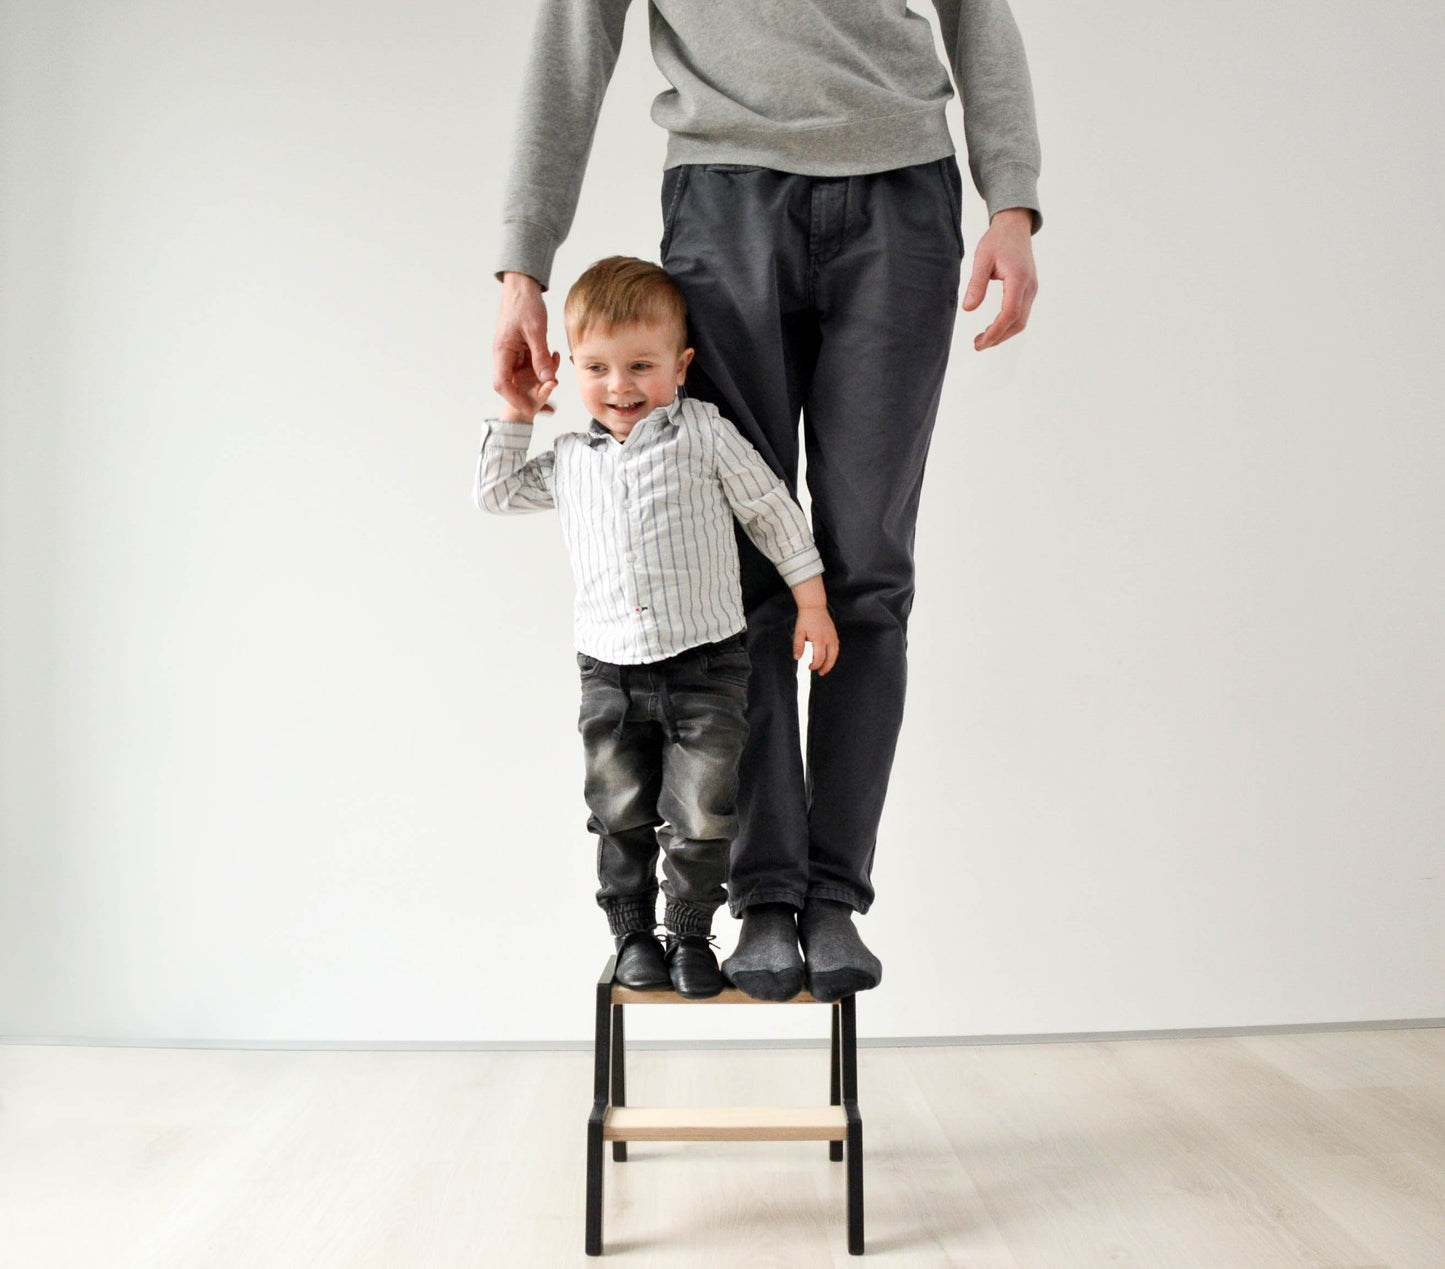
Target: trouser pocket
674,182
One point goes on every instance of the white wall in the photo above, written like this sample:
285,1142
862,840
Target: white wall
288,727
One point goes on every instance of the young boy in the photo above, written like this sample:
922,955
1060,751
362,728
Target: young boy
647,498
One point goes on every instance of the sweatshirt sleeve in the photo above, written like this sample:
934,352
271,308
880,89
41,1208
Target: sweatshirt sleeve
574,50
992,73
507,481
762,505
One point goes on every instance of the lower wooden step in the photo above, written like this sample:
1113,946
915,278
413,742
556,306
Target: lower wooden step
725,1123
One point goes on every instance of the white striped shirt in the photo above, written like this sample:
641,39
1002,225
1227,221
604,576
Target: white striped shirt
649,524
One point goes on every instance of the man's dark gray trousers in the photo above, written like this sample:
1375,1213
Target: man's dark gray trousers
832,299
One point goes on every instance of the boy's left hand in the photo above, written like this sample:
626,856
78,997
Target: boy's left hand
535,396
816,627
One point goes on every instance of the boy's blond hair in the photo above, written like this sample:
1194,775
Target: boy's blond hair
624,291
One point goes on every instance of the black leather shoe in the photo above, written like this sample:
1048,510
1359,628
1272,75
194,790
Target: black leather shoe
693,966
640,963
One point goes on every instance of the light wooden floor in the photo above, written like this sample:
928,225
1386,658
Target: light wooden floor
1319,1150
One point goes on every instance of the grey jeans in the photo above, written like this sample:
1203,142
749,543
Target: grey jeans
833,299
661,743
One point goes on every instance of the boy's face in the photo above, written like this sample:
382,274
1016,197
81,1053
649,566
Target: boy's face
628,372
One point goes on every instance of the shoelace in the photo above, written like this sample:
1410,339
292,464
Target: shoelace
661,933
710,940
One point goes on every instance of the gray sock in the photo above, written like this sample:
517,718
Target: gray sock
838,962
767,964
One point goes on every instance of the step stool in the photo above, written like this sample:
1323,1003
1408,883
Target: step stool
612,1119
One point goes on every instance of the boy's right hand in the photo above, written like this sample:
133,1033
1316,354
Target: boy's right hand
521,363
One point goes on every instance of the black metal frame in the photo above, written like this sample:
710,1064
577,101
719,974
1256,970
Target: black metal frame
849,1063
603,1082
609,1088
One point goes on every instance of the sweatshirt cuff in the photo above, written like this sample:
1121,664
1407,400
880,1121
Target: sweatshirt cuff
798,568
527,248
1012,185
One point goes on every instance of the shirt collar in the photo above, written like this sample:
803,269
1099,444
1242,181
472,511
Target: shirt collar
597,433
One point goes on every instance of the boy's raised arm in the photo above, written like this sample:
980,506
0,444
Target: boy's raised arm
507,481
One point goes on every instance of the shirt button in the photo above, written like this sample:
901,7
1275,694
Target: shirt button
631,557
627,502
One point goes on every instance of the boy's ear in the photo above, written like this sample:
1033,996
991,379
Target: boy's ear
684,362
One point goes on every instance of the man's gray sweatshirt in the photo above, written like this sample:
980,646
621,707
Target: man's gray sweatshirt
819,87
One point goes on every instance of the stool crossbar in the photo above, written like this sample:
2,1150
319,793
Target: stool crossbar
612,1119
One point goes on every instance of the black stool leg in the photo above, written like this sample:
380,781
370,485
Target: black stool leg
835,1148
594,1180
601,1062
855,1126
619,1077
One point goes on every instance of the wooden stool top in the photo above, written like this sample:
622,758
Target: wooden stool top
728,996
621,995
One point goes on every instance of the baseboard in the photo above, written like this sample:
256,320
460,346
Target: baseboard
872,1042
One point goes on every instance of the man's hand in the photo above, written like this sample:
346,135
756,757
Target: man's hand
1004,252
522,365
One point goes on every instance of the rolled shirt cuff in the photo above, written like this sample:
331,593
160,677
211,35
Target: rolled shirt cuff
798,568
510,433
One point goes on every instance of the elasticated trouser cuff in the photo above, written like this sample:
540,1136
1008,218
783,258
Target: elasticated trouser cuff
630,914
681,917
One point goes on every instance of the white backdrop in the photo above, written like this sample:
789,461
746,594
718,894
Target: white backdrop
288,727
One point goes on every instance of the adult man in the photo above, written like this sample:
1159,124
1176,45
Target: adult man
811,210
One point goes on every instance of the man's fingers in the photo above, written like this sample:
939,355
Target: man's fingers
1013,316
1009,323
502,364
978,283
1009,309
548,375
1026,304
543,364
998,331
517,380
996,334
506,362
